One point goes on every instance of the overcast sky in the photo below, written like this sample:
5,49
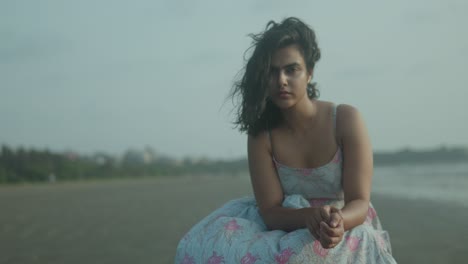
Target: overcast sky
111,75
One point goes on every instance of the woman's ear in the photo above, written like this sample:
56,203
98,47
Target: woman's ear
310,73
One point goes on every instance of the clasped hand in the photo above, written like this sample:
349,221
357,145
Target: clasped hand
326,225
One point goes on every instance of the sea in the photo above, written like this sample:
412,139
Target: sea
443,182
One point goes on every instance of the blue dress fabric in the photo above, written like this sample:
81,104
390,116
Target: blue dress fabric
236,233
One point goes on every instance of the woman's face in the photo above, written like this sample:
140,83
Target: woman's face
288,77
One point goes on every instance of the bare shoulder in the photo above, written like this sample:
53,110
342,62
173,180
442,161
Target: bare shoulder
348,119
260,142
347,111
259,153
348,115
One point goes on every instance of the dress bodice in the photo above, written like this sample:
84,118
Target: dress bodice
313,183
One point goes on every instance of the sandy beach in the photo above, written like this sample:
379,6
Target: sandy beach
141,221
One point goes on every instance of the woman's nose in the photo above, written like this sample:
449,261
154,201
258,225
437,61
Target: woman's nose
282,78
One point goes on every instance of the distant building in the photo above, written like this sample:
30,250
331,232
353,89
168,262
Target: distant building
147,156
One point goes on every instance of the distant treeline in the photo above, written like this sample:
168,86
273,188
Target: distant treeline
408,156
29,165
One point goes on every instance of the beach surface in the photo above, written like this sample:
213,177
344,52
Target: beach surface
142,220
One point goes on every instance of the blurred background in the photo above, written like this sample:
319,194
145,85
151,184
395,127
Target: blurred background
95,91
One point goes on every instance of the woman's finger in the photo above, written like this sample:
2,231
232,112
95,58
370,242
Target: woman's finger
325,213
335,219
313,227
327,240
337,212
333,245
333,232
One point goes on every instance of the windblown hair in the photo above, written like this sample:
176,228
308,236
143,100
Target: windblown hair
255,113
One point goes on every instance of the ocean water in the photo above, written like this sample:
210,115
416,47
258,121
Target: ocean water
438,182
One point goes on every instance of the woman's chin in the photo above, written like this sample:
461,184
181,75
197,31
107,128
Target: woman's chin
282,101
284,104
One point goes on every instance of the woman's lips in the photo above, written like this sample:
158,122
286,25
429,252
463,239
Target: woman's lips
284,94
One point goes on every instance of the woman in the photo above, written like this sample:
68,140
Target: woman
310,165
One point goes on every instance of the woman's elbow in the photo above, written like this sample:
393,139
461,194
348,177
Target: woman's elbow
269,219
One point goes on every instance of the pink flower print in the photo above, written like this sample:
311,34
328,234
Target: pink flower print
248,259
188,259
319,250
371,213
284,256
305,172
353,243
214,259
232,226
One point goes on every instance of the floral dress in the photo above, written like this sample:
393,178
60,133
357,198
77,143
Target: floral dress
236,233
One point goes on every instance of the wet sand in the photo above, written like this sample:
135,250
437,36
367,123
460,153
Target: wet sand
141,221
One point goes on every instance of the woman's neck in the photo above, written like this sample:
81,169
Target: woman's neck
301,117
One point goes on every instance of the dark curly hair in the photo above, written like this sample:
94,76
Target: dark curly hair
255,113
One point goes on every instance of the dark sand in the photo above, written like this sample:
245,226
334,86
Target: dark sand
141,221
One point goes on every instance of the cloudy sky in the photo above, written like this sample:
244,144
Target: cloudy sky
111,75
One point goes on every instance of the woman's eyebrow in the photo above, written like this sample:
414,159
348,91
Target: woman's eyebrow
285,66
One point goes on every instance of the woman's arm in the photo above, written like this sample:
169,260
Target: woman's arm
357,165
268,191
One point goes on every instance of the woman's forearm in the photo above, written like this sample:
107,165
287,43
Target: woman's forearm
286,219
354,213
